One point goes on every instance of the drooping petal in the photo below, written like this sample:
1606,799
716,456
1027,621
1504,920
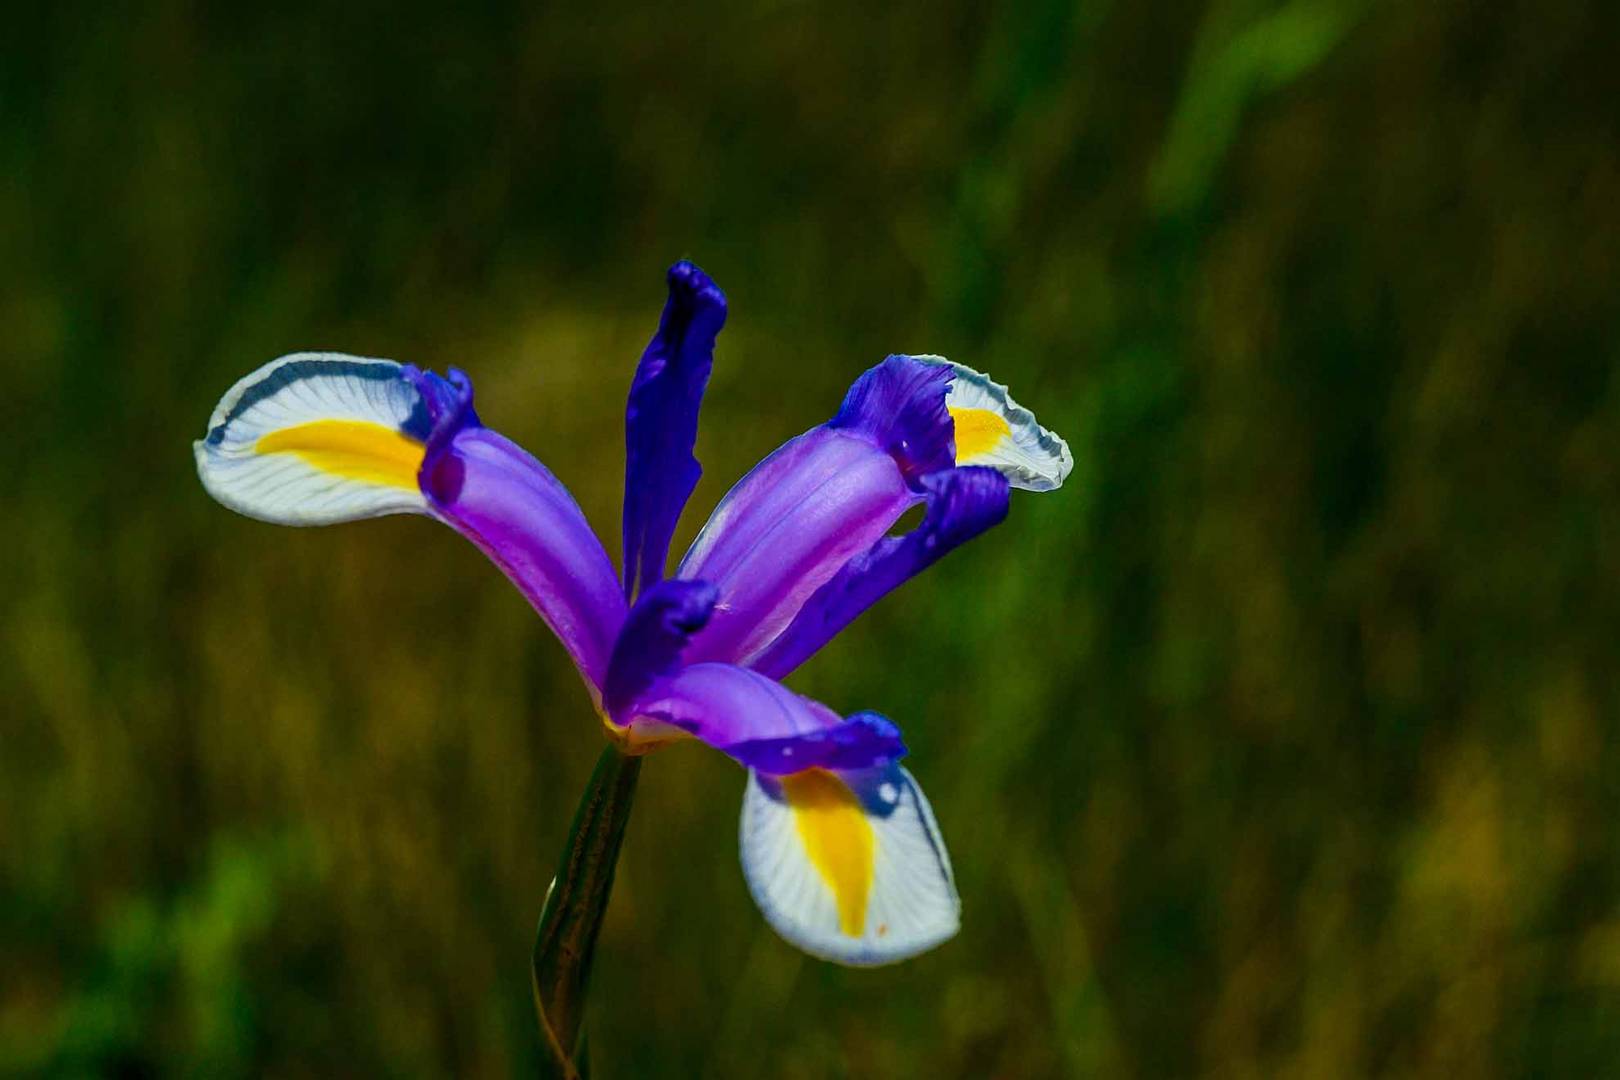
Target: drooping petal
497,495
757,721
962,503
788,526
992,429
848,866
864,740
661,421
317,438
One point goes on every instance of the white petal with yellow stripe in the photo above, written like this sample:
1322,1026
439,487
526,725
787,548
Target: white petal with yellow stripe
992,429
317,438
848,866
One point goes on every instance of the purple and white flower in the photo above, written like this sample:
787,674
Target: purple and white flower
839,846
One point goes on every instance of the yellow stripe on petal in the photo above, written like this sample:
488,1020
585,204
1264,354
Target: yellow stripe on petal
832,888
995,431
838,839
354,449
978,431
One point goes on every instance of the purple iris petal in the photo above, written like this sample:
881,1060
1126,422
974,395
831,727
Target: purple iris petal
445,408
493,492
900,405
864,740
818,501
661,421
962,503
785,529
650,643
762,723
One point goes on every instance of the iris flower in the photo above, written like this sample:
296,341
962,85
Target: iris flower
839,846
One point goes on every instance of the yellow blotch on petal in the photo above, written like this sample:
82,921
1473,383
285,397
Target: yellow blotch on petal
837,838
354,449
977,432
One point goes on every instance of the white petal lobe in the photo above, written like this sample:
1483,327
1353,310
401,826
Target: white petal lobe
862,880
1009,438
316,438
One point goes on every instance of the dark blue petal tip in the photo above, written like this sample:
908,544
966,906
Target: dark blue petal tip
900,404
689,285
445,408
862,741
652,638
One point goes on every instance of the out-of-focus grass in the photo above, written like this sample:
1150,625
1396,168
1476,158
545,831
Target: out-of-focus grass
1281,741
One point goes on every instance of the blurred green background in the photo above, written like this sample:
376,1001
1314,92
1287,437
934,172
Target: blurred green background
1282,741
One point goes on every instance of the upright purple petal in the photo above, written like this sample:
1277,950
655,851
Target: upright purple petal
493,492
762,723
661,419
650,643
818,501
962,503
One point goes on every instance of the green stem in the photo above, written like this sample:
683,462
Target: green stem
574,907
